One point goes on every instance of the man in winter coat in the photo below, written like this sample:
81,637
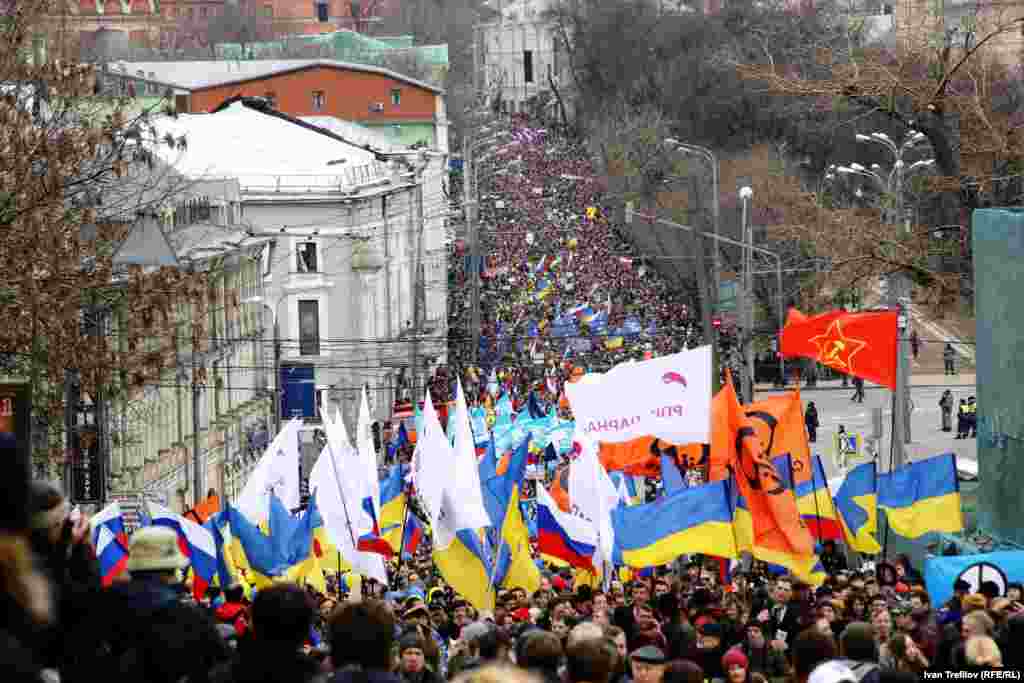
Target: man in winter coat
153,634
811,420
282,616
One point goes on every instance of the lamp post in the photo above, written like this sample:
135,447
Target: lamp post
892,184
470,187
712,160
746,194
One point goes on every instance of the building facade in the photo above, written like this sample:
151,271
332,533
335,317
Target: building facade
401,107
349,289
520,54
195,23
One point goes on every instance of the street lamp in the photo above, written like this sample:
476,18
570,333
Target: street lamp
471,187
708,155
892,184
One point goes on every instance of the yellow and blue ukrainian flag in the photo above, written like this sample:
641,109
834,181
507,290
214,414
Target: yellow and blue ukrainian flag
693,520
922,497
393,506
514,565
856,502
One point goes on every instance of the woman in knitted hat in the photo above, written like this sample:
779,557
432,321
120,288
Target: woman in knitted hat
736,666
413,666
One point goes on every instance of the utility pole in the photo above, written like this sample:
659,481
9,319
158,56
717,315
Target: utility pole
277,374
899,295
706,297
746,193
418,300
197,481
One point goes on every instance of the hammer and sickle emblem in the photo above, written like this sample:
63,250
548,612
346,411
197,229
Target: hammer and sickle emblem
836,348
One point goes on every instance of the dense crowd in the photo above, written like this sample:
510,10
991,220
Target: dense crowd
562,285
685,622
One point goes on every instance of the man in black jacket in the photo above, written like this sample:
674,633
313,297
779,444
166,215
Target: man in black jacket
154,635
282,616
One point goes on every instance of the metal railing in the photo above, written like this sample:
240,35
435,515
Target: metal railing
346,179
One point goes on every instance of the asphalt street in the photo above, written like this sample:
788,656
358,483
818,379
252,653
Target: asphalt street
835,408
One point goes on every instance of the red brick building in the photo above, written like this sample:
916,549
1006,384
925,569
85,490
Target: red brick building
193,23
371,96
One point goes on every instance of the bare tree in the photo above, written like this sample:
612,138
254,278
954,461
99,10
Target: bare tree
78,175
943,79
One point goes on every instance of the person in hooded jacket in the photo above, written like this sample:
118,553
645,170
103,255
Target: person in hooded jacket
362,637
271,650
153,635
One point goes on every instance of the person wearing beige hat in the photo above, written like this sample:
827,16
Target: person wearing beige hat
153,633
155,549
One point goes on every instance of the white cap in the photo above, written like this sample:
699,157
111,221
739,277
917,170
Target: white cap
832,671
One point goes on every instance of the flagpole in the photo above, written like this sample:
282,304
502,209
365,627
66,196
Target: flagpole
892,460
341,493
405,520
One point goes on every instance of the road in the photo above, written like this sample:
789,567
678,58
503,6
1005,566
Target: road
835,408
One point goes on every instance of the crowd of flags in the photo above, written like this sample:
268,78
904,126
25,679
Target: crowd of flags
762,493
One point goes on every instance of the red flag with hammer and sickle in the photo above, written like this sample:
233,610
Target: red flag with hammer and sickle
859,344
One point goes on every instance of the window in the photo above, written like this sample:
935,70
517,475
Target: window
203,12
528,66
321,12
309,328
268,10
318,100
396,96
271,98
306,257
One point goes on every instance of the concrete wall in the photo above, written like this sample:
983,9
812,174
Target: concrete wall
998,240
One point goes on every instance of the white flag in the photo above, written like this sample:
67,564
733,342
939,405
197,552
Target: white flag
432,462
337,499
277,471
667,397
466,483
592,495
368,456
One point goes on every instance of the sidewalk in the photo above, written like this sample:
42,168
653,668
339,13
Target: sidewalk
965,379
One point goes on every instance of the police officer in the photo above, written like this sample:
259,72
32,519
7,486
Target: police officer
961,420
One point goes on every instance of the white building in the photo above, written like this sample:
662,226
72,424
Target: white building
356,234
519,54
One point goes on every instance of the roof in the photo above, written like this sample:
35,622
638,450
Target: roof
357,134
267,152
200,75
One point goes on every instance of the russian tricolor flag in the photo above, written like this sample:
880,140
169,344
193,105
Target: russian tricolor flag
562,535
196,543
110,541
412,537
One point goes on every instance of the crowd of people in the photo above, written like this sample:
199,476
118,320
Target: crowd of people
561,283
681,623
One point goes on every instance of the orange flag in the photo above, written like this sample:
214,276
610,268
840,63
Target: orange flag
779,531
779,423
858,344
